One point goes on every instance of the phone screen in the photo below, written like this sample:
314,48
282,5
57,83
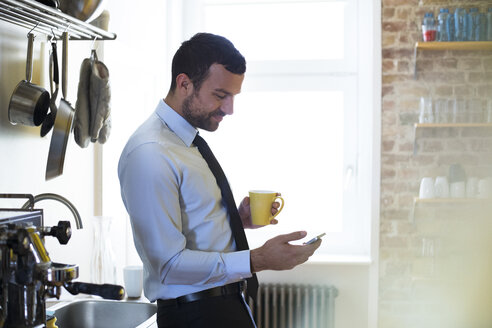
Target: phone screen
315,239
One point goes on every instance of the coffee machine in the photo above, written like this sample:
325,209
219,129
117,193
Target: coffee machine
27,275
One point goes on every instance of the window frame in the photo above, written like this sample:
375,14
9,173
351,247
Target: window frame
359,67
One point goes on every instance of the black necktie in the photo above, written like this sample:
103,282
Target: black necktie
235,219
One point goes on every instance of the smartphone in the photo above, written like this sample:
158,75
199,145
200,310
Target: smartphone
315,239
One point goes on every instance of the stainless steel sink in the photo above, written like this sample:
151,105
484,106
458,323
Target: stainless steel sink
104,313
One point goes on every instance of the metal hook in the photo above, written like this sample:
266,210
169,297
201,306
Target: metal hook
53,37
33,29
93,50
94,42
68,26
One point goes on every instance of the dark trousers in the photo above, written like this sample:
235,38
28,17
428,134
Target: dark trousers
228,311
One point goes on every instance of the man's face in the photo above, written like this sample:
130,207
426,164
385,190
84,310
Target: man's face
215,99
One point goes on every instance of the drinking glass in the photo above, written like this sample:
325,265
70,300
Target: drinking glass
459,111
474,109
427,188
426,112
441,111
488,112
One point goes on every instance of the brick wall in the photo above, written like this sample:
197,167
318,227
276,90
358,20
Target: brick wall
415,286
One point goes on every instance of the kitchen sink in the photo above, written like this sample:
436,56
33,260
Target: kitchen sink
104,313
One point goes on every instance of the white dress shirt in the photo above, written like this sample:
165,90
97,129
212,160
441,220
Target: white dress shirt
180,224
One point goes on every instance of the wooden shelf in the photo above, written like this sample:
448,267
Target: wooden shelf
455,45
466,45
453,125
448,202
457,201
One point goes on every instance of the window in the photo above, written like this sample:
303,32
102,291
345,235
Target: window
303,123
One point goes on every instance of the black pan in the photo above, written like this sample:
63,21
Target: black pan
63,124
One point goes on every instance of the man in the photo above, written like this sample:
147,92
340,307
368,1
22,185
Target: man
194,259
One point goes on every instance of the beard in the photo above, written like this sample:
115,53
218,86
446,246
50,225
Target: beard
198,117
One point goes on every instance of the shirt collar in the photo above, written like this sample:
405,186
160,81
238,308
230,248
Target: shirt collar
184,130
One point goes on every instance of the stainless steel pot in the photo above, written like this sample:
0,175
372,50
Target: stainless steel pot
63,124
29,102
85,10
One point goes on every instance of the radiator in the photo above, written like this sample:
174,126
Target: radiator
294,306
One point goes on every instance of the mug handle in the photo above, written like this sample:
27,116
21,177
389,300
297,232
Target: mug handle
280,208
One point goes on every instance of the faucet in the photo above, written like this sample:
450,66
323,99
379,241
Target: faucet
29,205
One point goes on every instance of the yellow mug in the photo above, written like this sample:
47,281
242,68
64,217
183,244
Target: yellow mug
260,203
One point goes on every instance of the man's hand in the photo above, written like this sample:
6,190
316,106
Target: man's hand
245,213
278,254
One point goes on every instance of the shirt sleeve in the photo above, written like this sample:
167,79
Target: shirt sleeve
150,183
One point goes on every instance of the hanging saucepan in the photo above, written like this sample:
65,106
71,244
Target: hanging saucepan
29,102
63,124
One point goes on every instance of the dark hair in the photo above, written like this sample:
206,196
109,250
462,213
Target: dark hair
196,55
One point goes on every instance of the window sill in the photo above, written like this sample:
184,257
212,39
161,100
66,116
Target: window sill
325,259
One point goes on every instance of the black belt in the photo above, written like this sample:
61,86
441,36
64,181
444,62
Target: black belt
230,289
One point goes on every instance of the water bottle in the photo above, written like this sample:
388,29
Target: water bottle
489,24
471,28
481,27
460,24
442,26
451,28
429,27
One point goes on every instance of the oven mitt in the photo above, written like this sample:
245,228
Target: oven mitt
92,121
81,120
100,103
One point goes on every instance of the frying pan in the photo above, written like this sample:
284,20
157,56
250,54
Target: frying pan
49,121
63,124
29,102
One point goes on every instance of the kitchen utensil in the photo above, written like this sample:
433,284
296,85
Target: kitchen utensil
484,188
49,121
427,188
472,187
63,123
29,102
133,278
85,10
441,187
457,189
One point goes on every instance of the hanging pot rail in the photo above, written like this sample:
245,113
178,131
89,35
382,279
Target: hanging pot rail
43,19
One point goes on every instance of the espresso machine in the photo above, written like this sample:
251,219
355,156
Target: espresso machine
27,275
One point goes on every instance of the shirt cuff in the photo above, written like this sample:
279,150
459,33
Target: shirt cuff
238,264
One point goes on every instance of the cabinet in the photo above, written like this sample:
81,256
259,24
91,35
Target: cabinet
43,19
